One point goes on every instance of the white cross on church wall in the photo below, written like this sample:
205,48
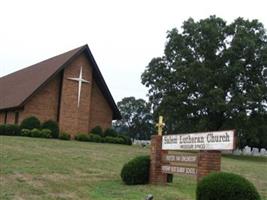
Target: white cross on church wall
80,80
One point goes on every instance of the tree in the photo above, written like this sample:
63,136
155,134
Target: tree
212,76
136,118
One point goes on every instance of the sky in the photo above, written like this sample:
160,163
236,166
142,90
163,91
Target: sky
123,35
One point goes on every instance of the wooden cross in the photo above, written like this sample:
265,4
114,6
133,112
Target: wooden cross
160,125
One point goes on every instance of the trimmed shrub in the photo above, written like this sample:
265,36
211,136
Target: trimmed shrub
221,186
46,133
30,123
11,129
26,132
35,133
53,126
110,139
110,132
97,131
95,138
118,140
64,136
136,171
127,140
114,140
82,137
2,129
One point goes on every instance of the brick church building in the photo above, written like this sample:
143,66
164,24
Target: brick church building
68,88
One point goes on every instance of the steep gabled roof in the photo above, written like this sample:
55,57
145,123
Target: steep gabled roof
16,88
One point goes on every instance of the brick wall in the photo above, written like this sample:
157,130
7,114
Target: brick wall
208,161
2,117
156,153
10,118
72,118
93,109
44,103
101,113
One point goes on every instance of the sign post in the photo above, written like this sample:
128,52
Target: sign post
156,176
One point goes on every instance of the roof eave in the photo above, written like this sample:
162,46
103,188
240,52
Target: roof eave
103,86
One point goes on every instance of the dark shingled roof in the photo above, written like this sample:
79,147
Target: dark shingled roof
16,88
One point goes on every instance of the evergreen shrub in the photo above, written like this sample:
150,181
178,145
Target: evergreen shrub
114,140
109,139
2,129
9,129
26,132
44,133
82,137
35,132
127,140
53,126
12,129
222,186
92,137
64,136
136,171
95,138
97,131
110,132
119,140
30,123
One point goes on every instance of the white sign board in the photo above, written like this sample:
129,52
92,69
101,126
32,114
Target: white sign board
219,140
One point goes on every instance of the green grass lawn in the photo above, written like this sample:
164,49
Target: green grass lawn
53,169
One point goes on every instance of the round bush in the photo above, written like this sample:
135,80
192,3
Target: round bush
222,186
36,133
30,123
136,171
46,133
26,132
52,126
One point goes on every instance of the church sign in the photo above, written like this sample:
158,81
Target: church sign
179,163
195,154
219,140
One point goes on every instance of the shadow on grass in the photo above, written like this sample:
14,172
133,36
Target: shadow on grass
247,158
